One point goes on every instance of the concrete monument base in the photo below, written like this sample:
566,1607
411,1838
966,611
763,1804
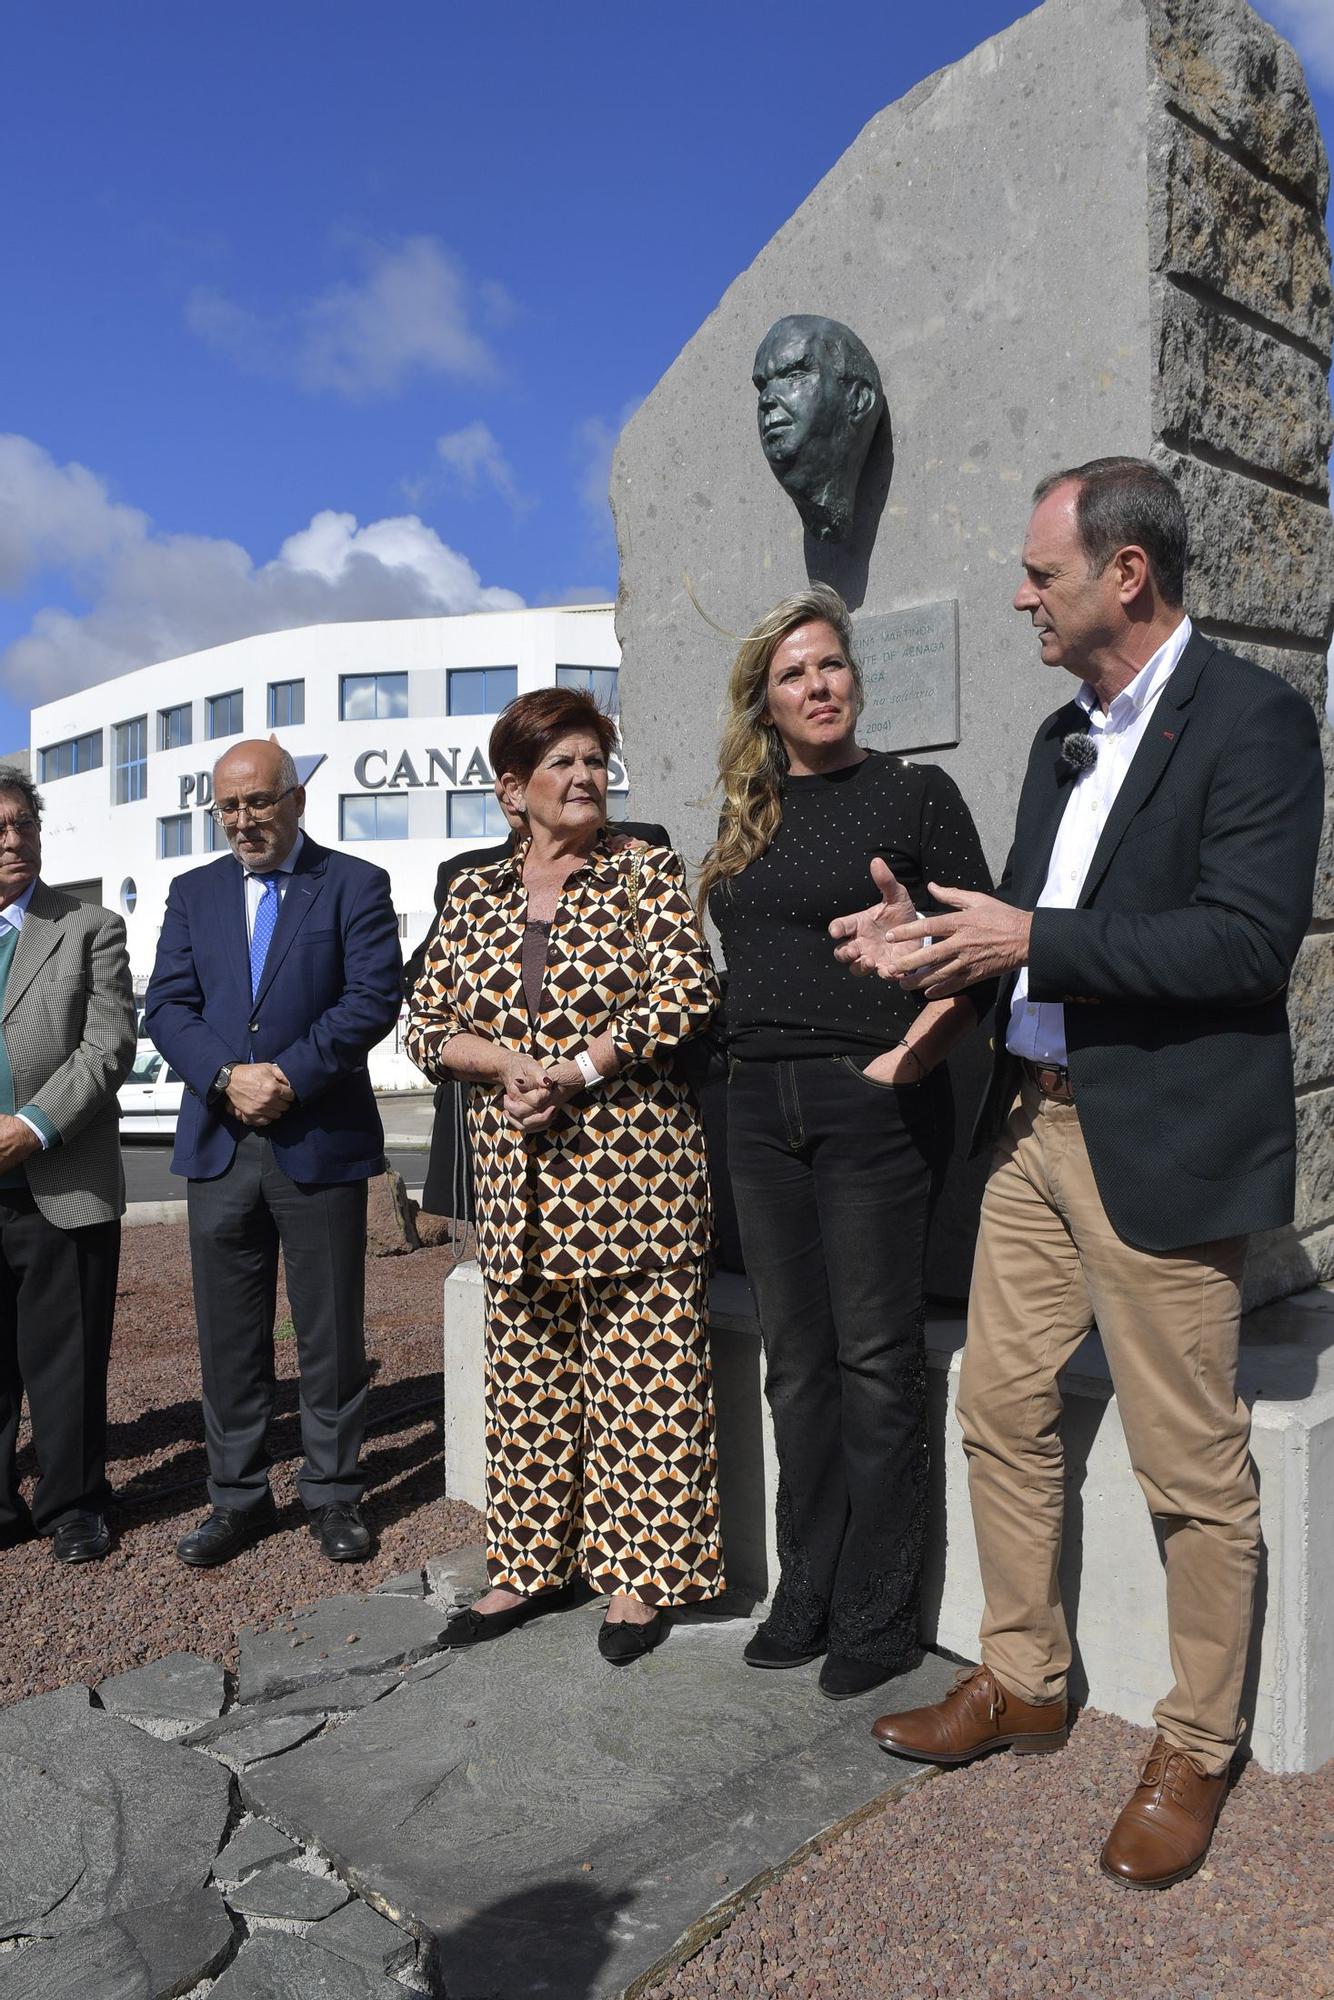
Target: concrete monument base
1112,1578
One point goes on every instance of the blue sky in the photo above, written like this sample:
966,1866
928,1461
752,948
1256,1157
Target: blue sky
308,314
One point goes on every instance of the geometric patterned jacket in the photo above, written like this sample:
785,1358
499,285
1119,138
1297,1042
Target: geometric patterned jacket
619,1180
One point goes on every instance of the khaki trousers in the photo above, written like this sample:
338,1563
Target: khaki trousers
1048,1264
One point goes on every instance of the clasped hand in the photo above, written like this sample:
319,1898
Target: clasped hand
974,937
533,1093
259,1093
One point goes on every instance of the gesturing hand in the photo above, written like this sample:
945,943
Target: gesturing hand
940,955
864,941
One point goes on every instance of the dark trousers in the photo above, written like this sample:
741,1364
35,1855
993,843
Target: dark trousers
57,1303
238,1222
835,1178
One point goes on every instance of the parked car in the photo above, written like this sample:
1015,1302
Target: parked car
150,1097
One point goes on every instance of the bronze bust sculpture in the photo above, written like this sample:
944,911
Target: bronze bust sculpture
820,401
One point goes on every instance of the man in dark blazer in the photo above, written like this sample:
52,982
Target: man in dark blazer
67,1015
1142,1107
448,1186
278,969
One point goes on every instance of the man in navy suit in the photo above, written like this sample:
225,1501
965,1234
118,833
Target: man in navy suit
1142,1111
278,969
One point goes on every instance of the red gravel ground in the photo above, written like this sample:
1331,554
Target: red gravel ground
983,1884
70,1624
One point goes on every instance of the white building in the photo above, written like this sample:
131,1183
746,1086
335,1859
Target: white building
388,722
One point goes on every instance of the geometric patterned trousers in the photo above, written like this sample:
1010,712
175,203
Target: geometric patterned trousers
599,1435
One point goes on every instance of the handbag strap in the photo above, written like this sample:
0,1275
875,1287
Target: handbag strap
636,867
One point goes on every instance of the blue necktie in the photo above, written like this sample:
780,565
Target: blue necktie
266,916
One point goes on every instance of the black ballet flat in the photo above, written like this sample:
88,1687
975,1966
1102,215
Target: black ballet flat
472,1628
623,1642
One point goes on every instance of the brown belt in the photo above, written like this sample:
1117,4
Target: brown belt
1052,1079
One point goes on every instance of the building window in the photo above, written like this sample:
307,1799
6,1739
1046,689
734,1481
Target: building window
129,754
215,840
373,816
372,697
76,753
476,816
173,837
603,683
287,703
129,895
175,727
225,713
480,690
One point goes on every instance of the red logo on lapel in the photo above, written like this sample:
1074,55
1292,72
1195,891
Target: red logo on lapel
1171,735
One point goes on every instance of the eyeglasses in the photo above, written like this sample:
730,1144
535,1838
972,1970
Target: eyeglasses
257,811
23,826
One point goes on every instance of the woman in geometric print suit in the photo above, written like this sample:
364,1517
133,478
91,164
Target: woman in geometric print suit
559,982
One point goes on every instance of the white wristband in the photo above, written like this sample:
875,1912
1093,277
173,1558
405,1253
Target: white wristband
587,1068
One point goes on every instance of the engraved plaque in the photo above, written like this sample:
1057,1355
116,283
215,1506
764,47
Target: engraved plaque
910,666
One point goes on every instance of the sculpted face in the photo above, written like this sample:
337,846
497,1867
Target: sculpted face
802,401
246,782
819,403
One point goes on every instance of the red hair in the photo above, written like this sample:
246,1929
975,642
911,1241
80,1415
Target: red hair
528,727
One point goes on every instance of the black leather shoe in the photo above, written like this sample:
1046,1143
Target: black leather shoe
623,1642
225,1532
84,1538
842,1677
762,1651
341,1532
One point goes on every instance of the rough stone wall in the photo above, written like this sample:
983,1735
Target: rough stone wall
1101,231
1242,319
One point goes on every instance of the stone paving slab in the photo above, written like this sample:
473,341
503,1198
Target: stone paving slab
294,1893
349,1634
255,1846
361,1934
276,1966
97,1818
554,1823
323,1699
150,1953
239,1748
182,1688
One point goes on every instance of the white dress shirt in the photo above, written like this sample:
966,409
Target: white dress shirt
254,884
13,915
1036,1030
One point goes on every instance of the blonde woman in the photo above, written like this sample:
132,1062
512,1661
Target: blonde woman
839,1127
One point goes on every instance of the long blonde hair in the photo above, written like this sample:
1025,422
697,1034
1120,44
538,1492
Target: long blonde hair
752,762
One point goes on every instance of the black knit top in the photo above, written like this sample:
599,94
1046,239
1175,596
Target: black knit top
787,995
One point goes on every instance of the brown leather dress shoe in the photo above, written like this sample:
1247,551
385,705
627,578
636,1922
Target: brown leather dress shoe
977,1714
1163,1834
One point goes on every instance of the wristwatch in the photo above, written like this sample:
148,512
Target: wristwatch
218,1087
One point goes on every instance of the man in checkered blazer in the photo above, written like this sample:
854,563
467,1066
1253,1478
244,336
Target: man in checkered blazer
66,1042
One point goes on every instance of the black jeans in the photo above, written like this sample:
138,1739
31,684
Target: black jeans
835,1178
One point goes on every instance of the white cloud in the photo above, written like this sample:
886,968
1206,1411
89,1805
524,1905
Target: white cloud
154,596
474,456
412,310
1309,26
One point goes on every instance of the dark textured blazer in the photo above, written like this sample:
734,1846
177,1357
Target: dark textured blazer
1174,967
331,989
